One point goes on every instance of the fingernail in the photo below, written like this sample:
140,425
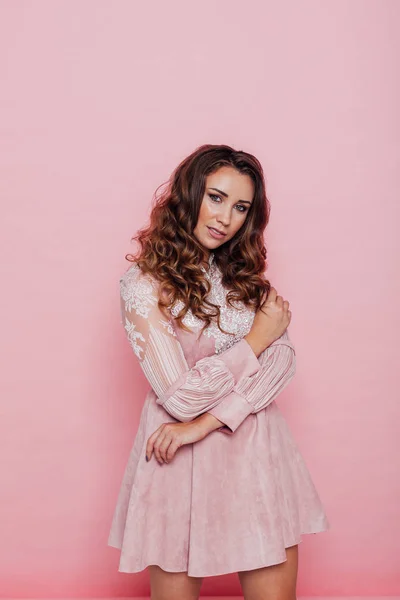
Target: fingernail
147,460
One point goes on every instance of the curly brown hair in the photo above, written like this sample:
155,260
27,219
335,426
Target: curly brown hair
172,254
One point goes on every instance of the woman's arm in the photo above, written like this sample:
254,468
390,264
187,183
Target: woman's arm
252,394
228,386
255,393
185,393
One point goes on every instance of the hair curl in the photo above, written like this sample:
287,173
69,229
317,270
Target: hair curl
173,255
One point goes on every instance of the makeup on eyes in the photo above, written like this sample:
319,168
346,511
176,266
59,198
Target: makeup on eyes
241,205
226,195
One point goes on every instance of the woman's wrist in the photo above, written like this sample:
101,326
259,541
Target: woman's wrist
254,344
209,423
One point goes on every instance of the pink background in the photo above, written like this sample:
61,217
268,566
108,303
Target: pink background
99,101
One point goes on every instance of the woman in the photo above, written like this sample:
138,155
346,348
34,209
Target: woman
215,482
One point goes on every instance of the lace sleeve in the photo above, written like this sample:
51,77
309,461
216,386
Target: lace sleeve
184,392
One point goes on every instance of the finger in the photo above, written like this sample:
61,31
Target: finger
164,447
173,447
157,444
263,300
150,443
272,294
151,440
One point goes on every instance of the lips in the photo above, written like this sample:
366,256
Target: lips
217,230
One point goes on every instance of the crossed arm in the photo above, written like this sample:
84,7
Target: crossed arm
230,385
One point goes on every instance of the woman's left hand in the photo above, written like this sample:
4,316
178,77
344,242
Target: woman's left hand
166,440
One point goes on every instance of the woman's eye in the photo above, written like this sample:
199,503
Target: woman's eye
241,207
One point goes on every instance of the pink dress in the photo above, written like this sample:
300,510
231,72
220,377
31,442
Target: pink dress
236,499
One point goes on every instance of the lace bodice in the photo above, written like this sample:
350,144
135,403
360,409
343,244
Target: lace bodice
237,321
231,383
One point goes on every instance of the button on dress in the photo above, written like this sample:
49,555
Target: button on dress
238,498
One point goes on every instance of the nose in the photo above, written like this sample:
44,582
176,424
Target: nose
224,216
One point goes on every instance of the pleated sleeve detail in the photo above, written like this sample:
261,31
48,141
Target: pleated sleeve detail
252,394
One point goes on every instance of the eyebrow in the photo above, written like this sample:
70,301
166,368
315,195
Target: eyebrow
226,195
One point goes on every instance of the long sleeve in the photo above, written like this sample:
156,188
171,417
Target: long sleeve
184,392
254,393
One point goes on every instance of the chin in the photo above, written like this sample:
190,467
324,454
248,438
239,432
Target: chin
211,244
208,245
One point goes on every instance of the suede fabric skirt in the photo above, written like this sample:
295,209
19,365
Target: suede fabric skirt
225,504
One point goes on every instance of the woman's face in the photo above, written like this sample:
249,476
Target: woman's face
227,198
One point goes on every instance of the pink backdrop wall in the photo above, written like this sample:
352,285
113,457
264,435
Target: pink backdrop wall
99,101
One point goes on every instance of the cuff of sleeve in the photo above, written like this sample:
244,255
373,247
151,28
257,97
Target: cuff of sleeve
225,429
232,411
240,360
283,340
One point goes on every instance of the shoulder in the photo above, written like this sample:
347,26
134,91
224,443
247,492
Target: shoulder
134,276
138,290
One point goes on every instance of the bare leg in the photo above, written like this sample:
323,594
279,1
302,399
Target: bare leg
277,582
171,586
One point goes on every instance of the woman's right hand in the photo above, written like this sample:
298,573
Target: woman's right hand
270,321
